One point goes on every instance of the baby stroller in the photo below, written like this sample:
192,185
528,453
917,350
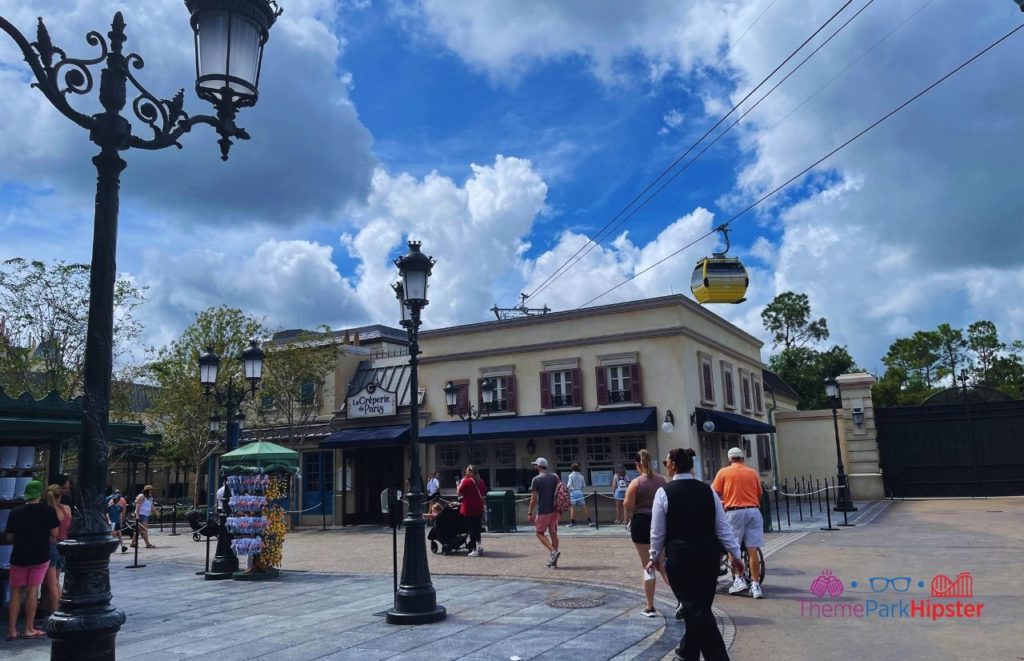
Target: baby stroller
201,527
449,533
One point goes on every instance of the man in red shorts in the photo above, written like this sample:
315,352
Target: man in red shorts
542,501
31,526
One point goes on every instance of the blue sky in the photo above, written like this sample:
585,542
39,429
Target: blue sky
502,134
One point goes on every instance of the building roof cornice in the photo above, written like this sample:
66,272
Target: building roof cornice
584,313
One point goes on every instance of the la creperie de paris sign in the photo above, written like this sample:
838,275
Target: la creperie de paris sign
371,402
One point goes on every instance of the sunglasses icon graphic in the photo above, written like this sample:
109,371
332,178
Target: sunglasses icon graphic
882,583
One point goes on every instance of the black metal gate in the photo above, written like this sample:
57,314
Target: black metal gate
972,449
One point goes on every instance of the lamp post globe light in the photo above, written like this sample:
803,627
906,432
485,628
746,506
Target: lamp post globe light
415,599
86,623
225,562
843,502
451,396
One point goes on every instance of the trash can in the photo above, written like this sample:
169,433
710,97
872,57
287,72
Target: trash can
501,511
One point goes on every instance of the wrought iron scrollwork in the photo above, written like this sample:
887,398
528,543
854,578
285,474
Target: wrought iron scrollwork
58,76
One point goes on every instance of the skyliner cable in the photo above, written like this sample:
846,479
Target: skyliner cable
815,163
590,247
667,170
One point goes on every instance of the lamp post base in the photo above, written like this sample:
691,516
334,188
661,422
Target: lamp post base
85,625
847,506
395,616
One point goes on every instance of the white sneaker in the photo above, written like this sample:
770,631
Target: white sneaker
475,553
738,585
554,557
755,590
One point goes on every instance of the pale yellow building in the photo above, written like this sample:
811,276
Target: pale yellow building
592,386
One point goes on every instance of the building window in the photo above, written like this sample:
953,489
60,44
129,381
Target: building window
448,456
267,402
618,384
561,389
764,452
745,390
311,471
503,474
504,400
307,393
478,455
566,451
628,447
728,387
599,448
707,380
758,396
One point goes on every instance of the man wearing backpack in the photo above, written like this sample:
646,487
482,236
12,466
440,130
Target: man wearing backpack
544,489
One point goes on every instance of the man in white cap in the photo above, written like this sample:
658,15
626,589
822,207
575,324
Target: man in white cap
739,487
542,501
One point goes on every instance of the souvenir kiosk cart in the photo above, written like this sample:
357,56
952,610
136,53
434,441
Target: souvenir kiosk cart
257,476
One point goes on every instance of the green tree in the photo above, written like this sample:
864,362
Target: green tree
983,340
788,319
806,370
293,382
44,310
180,411
951,349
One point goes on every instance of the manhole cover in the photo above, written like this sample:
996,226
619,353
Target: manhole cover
575,602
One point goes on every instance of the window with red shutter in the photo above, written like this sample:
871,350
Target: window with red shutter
577,388
510,393
636,390
462,401
600,376
545,390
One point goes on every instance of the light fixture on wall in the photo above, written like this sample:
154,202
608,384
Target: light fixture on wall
708,426
531,447
858,416
670,422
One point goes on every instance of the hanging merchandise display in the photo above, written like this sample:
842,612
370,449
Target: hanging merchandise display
257,481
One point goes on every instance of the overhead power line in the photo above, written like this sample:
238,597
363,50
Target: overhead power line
718,137
569,262
815,164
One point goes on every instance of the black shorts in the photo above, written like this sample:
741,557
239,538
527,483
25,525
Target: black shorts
640,528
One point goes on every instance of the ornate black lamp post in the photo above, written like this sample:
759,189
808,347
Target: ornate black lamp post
451,395
225,562
843,502
229,37
415,600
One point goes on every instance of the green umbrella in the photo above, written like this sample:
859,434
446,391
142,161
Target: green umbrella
262,454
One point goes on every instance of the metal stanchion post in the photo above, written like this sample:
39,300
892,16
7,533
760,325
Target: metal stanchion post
160,513
799,498
817,487
828,509
138,538
174,520
597,518
778,512
843,489
785,488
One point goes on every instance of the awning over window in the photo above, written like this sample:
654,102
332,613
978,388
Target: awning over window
367,437
732,423
617,421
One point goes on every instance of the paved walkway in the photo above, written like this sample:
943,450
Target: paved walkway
173,614
329,603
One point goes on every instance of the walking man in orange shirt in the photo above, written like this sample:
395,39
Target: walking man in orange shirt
739,487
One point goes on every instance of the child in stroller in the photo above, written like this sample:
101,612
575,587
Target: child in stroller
449,533
200,525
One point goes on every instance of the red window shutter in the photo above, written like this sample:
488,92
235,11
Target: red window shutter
479,395
577,388
636,391
510,393
462,401
545,390
601,376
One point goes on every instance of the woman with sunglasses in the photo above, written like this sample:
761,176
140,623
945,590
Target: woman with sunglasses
688,522
638,503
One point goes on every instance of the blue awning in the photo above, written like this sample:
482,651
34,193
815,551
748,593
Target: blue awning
367,436
617,421
731,423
